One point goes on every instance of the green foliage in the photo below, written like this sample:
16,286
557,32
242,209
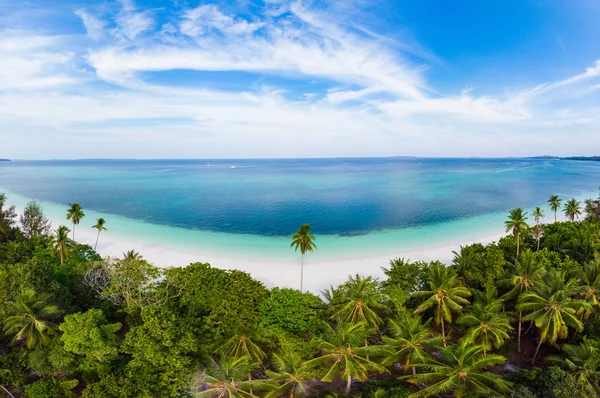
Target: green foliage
479,265
408,276
292,311
33,221
551,383
51,388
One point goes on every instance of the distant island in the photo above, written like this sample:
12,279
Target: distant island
4,160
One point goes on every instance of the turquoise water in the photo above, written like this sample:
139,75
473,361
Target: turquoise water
250,207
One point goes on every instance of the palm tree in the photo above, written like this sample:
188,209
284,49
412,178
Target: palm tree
304,241
100,227
538,214
590,284
552,309
516,224
242,346
358,302
344,355
490,326
522,276
460,371
131,255
228,378
572,209
75,213
554,203
446,294
464,259
61,242
582,361
30,319
290,376
409,340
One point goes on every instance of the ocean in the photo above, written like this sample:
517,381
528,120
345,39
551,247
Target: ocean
357,205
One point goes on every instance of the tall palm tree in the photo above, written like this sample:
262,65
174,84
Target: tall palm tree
516,224
522,276
582,361
489,325
75,214
572,209
100,227
552,309
538,214
344,355
228,377
554,203
359,301
61,242
30,319
589,288
445,293
409,340
460,371
304,241
289,375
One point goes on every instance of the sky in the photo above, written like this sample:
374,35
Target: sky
279,78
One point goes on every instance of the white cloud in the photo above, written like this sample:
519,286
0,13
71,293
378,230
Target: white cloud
131,23
196,21
93,25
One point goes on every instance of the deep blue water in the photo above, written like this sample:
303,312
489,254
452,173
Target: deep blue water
272,197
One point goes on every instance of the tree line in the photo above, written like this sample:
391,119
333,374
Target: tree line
517,317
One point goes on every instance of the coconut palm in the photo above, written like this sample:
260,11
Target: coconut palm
522,276
582,361
590,284
242,346
554,203
538,214
409,339
552,308
489,325
304,241
61,242
289,376
464,259
445,293
516,224
30,319
75,214
100,227
359,300
131,255
228,377
460,371
343,354
572,209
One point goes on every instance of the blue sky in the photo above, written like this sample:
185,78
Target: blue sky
278,78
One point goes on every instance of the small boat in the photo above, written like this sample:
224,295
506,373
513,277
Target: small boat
232,166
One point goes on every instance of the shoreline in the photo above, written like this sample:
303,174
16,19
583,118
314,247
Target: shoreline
321,269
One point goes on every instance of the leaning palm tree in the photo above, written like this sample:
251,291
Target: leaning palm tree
289,375
100,227
304,241
489,324
522,276
30,319
582,361
572,209
516,224
61,242
445,293
538,214
359,301
554,203
228,377
343,354
460,371
552,309
75,214
409,339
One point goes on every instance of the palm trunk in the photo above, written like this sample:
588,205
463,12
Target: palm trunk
529,328
73,232
536,352
519,333
554,215
443,333
301,272
6,390
539,233
98,237
518,241
348,385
